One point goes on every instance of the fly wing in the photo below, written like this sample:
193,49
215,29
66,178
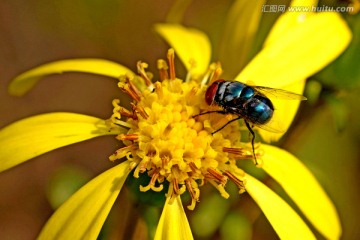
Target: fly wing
279,93
273,126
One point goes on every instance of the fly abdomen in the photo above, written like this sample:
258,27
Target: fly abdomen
259,110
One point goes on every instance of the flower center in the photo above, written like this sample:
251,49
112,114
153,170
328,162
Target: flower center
166,142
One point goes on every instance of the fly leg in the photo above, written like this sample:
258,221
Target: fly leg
220,112
208,112
252,140
232,120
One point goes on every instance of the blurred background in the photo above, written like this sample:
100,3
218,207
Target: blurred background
325,135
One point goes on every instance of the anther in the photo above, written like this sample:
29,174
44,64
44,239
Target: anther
236,151
193,92
177,190
216,74
239,183
129,137
134,88
120,153
159,90
193,167
171,57
141,70
154,177
194,193
165,160
139,110
163,69
126,113
125,87
213,174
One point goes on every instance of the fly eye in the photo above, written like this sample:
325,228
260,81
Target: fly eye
210,93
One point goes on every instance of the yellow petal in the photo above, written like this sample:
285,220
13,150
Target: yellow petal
31,137
300,52
285,221
173,223
304,190
294,16
84,213
25,81
238,35
191,45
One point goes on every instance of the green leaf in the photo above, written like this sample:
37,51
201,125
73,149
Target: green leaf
210,213
65,182
340,111
243,229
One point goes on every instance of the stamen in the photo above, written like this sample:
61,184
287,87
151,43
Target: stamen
154,177
163,69
175,185
159,90
141,66
126,113
202,182
220,188
130,137
239,183
216,176
116,116
189,75
193,167
236,151
249,154
193,92
224,120
216,74
134,88
170,192
171,57
129,91
133,165
164,161
116,113
214,71
194,193
139,110
177,190
122,152
141,167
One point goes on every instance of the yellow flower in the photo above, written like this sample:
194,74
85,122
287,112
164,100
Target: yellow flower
164,141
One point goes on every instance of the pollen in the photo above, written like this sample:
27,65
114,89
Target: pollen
165,140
